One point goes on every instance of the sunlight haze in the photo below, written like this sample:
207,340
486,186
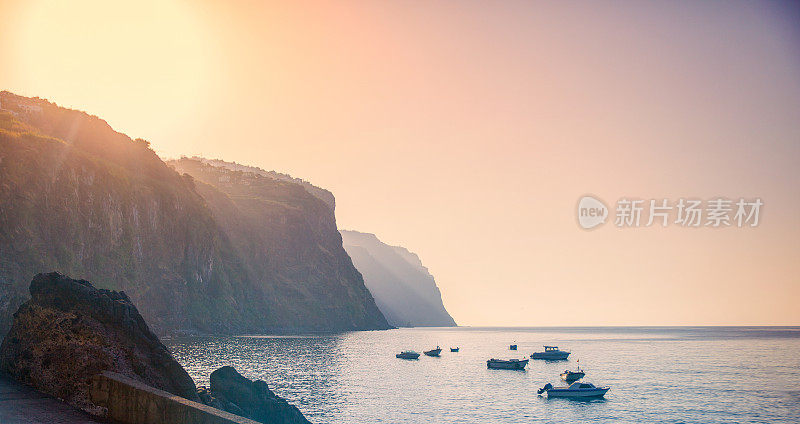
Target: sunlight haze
466,131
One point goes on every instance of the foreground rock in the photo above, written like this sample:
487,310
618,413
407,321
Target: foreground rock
232,392
69,331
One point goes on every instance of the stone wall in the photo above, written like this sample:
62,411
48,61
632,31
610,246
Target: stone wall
131,402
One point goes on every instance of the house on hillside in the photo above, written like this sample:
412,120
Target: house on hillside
30,108
8,110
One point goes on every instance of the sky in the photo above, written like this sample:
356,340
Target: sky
467,131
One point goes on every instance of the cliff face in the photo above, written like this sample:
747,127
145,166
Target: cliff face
78,197
69,331
287,238
403,288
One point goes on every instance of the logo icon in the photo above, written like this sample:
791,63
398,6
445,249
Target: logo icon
591,212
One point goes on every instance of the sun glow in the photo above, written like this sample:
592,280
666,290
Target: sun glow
468,131
113,59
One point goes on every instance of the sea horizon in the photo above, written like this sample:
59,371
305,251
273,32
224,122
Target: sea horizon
290,333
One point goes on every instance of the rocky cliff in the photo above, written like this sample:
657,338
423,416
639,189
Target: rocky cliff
78,197
288,241
403,288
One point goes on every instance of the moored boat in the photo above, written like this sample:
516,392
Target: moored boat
512,347
407,354
433,352
510,364
570,376
575,390
550,353
454,349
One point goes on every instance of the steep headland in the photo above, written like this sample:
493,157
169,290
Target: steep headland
78,197
287,238
403,288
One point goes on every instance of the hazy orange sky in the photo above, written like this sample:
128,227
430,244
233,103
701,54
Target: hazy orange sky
467,131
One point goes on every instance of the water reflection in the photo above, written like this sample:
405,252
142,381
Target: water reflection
656,374
289,364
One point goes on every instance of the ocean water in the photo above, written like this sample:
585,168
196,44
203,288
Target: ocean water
657,375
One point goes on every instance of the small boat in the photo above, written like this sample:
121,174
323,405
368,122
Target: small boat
574,390
512,347
550,353
569,376
454,349
502,364
408,354
433,352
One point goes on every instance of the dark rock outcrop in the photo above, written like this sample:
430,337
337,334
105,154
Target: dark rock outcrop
234,393
403,288
70,331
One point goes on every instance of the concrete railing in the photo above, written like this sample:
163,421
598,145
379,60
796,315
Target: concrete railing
131,402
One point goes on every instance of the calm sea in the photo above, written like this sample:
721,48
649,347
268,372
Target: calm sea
657,375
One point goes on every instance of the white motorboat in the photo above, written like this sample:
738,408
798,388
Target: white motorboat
407,354
574,390
551,353
511,364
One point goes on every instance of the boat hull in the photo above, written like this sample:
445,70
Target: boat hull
550,356
577,394
407,356
507,365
